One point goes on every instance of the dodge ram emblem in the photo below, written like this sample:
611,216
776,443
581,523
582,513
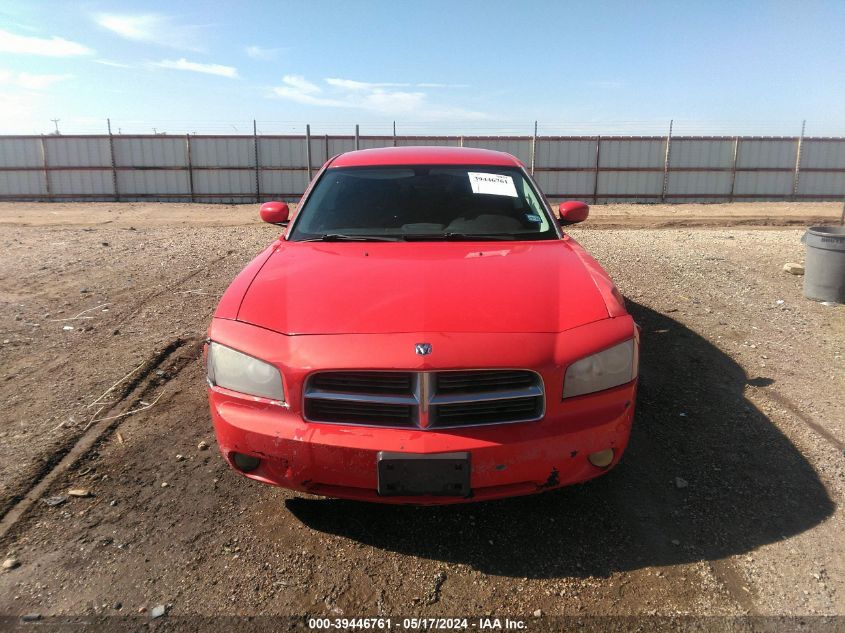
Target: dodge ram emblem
423,349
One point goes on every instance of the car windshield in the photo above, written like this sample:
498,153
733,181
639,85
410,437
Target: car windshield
423,203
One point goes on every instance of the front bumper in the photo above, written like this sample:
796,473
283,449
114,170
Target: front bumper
506,459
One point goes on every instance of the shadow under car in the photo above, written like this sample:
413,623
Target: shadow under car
706,476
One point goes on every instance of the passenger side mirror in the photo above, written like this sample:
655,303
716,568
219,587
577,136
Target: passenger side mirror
572,212
275,212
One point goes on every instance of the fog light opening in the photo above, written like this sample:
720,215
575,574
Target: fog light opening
245,463
601,459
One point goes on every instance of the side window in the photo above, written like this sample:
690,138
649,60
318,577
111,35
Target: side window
535,205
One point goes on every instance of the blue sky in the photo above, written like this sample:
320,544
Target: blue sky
432,66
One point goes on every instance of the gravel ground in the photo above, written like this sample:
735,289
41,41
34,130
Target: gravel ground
728,501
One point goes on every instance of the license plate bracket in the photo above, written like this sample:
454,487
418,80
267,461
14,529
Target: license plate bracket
415,474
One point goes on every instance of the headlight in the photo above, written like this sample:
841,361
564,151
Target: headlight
239,372
609,368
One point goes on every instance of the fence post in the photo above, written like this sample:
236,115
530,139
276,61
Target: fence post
308,149
190,165
356,136
534,148
113,164
257,162
666,163
46,169
394,134
327,148
733,168
797,174
598,168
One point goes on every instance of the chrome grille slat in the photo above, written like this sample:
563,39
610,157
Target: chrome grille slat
484,396
437,399
322,394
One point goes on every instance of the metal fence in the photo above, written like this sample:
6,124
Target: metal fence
240,168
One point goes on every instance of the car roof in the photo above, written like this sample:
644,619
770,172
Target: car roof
425,155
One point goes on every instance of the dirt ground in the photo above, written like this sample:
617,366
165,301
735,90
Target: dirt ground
728,501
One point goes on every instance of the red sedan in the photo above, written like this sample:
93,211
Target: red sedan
422,332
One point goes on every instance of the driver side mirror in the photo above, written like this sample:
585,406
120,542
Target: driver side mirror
573,212
275,212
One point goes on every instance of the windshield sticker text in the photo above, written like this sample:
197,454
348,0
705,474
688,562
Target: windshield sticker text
494,184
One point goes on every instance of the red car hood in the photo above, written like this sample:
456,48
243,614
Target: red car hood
387,287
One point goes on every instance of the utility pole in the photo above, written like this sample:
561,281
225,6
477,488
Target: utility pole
56,123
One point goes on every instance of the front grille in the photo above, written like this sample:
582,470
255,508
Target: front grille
424,399
476,381
343,411
470,413
364,382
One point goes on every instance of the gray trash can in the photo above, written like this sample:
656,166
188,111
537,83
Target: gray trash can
824,270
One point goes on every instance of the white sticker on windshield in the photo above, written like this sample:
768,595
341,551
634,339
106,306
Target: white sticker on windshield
494,184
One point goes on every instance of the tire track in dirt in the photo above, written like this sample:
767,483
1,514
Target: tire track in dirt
52,366
134,309
64,459
785,403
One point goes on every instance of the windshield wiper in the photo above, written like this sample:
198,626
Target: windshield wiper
459,237
339,237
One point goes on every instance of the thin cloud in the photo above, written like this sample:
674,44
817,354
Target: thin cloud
435,85
261,53
52,47
196,67
378,97
297,88
31,81
351,84
393,101
292,94
299,83
152,28
110,62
